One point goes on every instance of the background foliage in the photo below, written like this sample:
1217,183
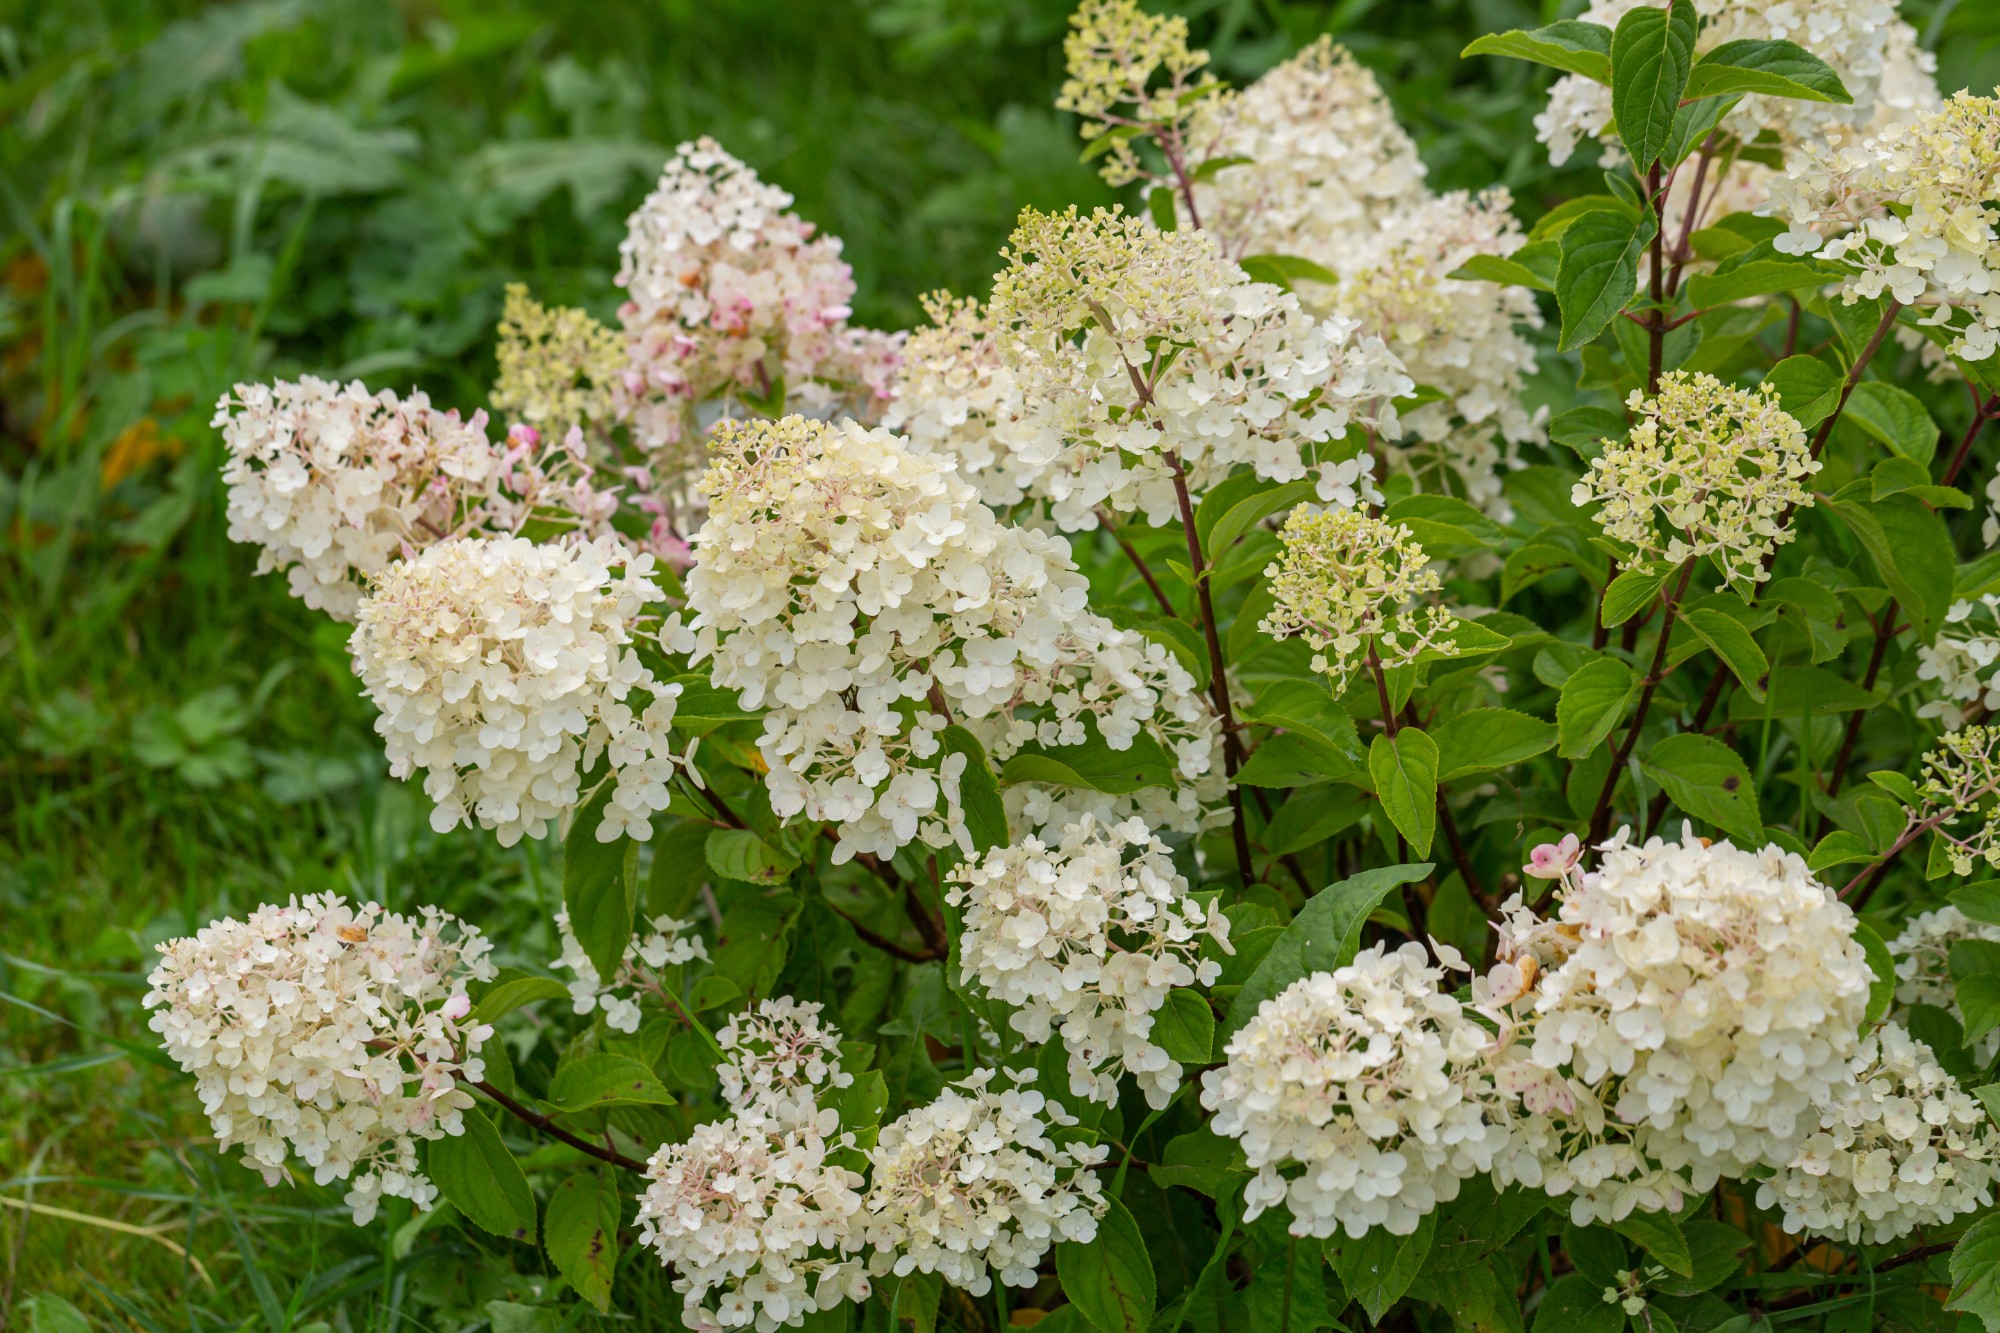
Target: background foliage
197,195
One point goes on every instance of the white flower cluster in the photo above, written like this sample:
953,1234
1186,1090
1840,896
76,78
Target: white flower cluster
957,396
335,483
1923,965
1910,211
858,590
732,299
505,669
1376,1082
665,943
1348,583
972,1185
759,1213
1967,647
1900,1146
1709,1001
1313,161
1147,353
1722,466
329,1032
1862,40
1085,934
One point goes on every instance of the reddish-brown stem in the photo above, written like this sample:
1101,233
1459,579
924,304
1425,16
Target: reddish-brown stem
1853,377
1600,815
885,944
1656,320
1145,573
547,1125
1681,251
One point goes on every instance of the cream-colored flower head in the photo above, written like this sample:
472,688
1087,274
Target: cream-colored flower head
558,366
1922,950
1346,583
1717,467
1129,68
1960,777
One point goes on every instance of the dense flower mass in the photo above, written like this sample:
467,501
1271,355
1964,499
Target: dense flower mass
858,590
333,1033
1147,354
558,367
1910,212
1347,584
957,396
1085,933
334,483
778,1058
973,1186
1375,1082
504,669
1900,1146
1862,40
1723,467
1922,951
663,942
1708,1000
732,300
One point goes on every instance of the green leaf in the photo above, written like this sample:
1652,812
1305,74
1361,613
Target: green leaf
1378,1268
1201,1161
1758,271
1405,772
1882,963
1185,1028
1975,1271
507,996
1658,1235
1094,765
1569,45
1305,707
1497,268
1652,54
1475,1225
978,791
1575,1304
1285,270
598,1080
1807,388
1979,1000
1599,271
1989,1097
1714,1249
50,1313
1895,417
1767,69
1911,547
1110,1279
1486,739
1597,1251
1980,902
1246,514
1806,691
739,854
1729,640
1633,590
702,707
600,891
1592,701
1323,936
1294,761
1160,203
1477,1299
581,1233
480,1177
1708,780
1904,476
1838,848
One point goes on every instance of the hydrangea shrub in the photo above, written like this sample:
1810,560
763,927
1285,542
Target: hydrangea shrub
1325,755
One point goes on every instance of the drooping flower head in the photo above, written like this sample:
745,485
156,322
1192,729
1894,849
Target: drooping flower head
1717,467
859,590
1362,1096
660,943
1901,1145
1085,933
973,1186
504,669
558,367
332,1033
1699,1003
1348,583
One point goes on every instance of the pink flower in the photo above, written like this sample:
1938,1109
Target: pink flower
1553,860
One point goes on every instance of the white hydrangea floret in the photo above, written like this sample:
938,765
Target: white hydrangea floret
665,942
1922,950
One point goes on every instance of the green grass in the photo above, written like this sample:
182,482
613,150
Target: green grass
195,195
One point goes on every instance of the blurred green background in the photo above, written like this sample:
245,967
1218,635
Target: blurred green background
193,195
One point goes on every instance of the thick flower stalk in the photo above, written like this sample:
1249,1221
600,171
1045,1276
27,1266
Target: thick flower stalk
859,591
972,1186
1363,1097
1085,933
1699,1003
734,304
1909,212
1964,663
1148,354
336,483
558,367
1863,41
1132,74
662,943
332,1033
505,670
1311,161
1922,951
1348,584
1719,468
1900,1146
